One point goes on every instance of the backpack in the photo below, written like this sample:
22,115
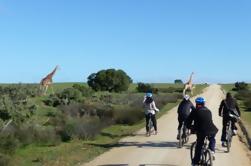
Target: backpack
232,110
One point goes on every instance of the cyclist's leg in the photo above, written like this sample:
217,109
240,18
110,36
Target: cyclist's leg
180,119
212,142
154,122
147,121
224,125
184,129
198,148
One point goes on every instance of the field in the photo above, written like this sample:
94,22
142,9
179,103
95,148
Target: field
111,116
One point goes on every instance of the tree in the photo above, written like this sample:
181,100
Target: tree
178,81
109,80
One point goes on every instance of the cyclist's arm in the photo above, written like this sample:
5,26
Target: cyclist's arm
221,107
154,107
238,109
192,107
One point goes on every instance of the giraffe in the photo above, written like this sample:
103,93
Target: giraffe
189,85
47,81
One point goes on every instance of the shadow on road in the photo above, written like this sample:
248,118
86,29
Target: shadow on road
114,165
140,145
139,165
156,165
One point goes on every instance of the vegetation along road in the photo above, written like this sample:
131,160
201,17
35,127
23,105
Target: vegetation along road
162,148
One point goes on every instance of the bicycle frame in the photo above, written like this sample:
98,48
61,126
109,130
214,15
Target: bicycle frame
183,135
205,158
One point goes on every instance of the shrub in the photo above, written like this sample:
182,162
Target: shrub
70,94
142,87
46,136
171,90
8,143
128,116
4,159
86,91
81,128
63,98
240,86
52,101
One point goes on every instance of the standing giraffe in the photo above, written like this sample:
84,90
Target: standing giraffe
47,81
189,85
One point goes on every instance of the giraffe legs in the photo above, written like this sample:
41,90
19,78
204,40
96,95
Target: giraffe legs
188,87
52,90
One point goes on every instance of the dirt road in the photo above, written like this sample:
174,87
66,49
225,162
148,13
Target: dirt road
162,149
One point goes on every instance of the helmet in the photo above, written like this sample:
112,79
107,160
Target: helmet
200,100
186,97
149,94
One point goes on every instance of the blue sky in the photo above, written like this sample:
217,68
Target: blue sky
153,41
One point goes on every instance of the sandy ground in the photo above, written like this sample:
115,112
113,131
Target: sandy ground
162,149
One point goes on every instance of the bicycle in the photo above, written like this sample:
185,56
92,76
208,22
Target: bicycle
183,135
229,131
150,125
206,158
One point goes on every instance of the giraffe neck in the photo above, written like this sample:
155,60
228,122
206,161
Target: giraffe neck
190,79
52,73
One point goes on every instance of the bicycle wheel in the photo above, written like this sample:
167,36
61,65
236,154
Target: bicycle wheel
229,139
207,158
180,144
192,150
186,139
150,126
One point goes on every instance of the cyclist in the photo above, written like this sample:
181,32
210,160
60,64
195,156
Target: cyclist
184,109
150,110
228,106
204,127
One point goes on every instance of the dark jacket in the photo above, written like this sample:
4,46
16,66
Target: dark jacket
203,123
185,108
224,108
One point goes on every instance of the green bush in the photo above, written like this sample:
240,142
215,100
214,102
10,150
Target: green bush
4,159
8,143
65,97
86,91
171,90
240,86
46,136
70,94
128,116
142,87
81,128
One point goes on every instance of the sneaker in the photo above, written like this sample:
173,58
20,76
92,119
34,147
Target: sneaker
155,132
147,134
178,137
213,155
223,144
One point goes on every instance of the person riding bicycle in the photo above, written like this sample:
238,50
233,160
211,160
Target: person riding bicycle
204,127
184,109
228,106
150,110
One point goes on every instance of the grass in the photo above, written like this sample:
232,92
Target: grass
76,152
